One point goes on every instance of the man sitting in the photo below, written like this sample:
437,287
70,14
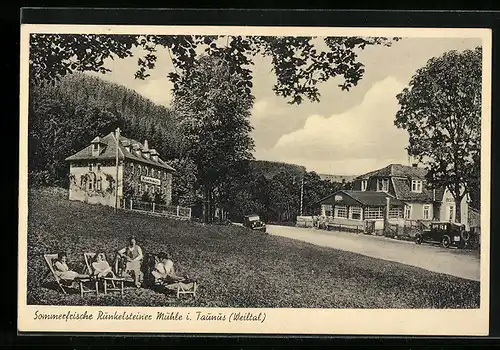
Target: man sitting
164,273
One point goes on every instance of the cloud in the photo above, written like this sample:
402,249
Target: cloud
355,140
157,90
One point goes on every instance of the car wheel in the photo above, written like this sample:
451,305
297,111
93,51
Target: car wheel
418,239
446,241
465,235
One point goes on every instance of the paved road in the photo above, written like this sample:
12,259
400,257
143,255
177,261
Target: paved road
456,262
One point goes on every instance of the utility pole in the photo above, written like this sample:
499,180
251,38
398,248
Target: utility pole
301,195
117,136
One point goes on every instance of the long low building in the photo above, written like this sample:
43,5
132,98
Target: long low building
358,208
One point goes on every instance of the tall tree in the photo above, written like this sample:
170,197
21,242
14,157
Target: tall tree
441,110
300,63
214,109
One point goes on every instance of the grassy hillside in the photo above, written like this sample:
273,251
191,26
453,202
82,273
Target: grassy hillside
235,267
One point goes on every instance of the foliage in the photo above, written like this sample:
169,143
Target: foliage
214,109
300,63
441,110
64,118
226,264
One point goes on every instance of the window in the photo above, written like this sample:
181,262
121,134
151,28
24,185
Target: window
139,188
355,213
91,167
91,184
98,166
407,211
145,188
147,171
99,184
152,172
395,213
374,213
164,174
139,169
383,185
416,186
95,149
364,185
427,210
451,213
326,209
341,212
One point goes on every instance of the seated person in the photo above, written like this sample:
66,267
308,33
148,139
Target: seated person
133,255
62,270
101,266
164,272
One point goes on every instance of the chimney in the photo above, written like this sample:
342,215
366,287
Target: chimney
154,155
146,144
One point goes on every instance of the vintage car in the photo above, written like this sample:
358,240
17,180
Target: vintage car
446,233
254,222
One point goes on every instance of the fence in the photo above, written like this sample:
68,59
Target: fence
405,229
176,212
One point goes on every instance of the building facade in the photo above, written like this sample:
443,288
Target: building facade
409,185
96,177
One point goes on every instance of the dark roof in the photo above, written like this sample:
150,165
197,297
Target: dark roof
403,191
109,152
368,198
397,170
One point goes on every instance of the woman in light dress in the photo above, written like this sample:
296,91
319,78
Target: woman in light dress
133,255
101,266
62,270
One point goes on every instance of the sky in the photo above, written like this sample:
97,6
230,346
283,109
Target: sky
346,133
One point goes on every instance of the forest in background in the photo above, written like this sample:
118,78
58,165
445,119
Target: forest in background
66,116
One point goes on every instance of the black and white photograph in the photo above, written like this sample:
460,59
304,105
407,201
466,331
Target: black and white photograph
254,180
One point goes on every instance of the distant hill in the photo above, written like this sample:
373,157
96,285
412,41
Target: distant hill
269,168
337,178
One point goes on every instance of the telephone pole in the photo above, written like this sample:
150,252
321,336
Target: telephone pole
117,136
301,195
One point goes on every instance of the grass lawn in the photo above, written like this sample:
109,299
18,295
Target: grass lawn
235,267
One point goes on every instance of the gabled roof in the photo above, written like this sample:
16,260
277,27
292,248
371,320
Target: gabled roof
368,198
403,191
108,151
397,170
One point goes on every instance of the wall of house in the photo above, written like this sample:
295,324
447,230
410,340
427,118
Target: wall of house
448,201
133,179
105,195
417,211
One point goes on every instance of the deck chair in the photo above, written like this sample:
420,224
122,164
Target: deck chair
184,287
49,259
115,283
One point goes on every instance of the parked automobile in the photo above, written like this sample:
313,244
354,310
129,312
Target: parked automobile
446,233
254,222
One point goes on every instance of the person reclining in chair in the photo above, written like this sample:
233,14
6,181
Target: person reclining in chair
62,270
164,272
101,266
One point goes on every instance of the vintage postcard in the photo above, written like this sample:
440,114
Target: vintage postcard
254,180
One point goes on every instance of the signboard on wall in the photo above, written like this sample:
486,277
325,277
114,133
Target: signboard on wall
338,198
150,180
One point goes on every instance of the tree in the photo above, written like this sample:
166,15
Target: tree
441,110
299,63
214,109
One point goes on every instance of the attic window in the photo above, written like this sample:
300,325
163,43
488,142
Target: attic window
364,185
383,185
416,186
95,149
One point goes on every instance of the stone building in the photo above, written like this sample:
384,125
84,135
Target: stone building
95,175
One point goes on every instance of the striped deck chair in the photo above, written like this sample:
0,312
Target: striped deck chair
64,285
115,283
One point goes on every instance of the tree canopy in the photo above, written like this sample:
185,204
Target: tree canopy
299,63
441,110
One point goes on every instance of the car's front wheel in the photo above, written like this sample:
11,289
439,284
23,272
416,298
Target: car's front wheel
418,239
446,241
